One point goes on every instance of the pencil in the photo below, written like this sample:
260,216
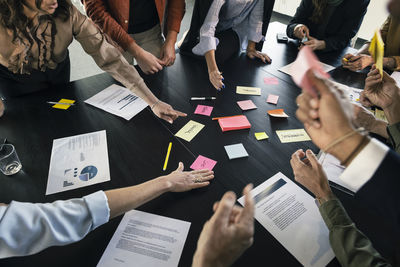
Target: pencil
345,59
167,156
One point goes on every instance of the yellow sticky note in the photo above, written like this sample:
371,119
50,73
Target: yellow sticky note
377,50
295,135
379,114
261,136
190,130
243,90
61,106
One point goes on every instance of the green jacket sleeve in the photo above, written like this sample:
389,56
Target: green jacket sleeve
394,133
351,247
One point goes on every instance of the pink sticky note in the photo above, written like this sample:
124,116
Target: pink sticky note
273,99
271,80
203,163
305,61
203,110
246,105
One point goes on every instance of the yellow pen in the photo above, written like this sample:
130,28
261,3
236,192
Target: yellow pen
167,156
345,59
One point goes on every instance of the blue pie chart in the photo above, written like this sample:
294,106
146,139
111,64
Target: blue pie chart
88,173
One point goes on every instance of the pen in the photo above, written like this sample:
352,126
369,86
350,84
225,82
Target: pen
59,103
203,98
167,156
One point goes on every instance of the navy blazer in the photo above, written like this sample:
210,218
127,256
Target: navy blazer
342,26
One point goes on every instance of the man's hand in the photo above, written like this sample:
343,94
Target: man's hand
168,49
166,112
315,44
301,31
357,62
216,79
228,233
147,62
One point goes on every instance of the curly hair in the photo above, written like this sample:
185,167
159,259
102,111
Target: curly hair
12,16
319,10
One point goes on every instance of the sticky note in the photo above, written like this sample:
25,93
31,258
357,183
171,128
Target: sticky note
236,151
61,106
273,99
279,113
190,130
243,90
203,110
296,135
203,163
305,61
246,105
379,114
261,136
234,123
377,50
271,80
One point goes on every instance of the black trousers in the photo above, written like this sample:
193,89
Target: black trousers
13,85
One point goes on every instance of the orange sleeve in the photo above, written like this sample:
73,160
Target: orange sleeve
176,11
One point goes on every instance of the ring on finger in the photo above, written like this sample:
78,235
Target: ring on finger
197,181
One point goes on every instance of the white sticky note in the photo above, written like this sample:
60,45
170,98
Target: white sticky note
236,151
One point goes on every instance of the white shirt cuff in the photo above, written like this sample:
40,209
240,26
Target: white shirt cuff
206,44
364,165
98,207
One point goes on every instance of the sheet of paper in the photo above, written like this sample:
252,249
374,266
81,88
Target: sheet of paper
296,135
293,218
236,151
261,136
377,50
352,93
190,130
288,68
203,110
396,76
271,80
144,239
333,169
61,106
203,163
78,161
246,105
119,101
273,99
279,113
243,90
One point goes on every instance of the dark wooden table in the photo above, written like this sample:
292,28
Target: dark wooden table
137,149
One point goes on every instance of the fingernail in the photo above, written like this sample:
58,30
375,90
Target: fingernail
223,86
222,79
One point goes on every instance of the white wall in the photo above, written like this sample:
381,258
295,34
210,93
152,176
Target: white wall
375,16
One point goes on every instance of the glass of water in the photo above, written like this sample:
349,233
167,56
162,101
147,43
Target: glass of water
9,161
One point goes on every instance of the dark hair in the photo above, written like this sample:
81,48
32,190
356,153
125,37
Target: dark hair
319,10
12,16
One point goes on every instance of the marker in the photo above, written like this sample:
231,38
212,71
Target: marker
167,156
59,103
203,98
217,118
345,59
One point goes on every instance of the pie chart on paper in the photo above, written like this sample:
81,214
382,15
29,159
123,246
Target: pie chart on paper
88,173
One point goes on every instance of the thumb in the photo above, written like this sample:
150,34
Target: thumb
387,78
180,167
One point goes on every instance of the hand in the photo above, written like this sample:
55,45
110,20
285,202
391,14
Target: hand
166,112
216,79
301,31
2,108
314,44
147,62
180,181
228,233
323,118
364,118
310,174
168,53
257,54
357,62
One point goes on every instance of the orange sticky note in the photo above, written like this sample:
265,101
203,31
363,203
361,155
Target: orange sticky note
279,113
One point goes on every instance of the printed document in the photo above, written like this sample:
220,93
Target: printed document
144,239
119,101
288,68
78,161
292,217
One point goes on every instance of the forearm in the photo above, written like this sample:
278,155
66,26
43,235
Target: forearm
344,151
251,46
171,37
379,127
210,59
124,199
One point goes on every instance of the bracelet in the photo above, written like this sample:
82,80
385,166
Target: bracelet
363,141
155,104
340,139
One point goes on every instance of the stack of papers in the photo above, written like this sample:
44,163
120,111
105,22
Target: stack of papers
234,123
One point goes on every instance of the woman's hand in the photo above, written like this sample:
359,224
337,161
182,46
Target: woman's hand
301,31
166,112
180,181
309,173
315,44
257,54
216,79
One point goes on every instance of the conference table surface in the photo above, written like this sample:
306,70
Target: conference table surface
137,148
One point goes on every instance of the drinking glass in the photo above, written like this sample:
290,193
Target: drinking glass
9,161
